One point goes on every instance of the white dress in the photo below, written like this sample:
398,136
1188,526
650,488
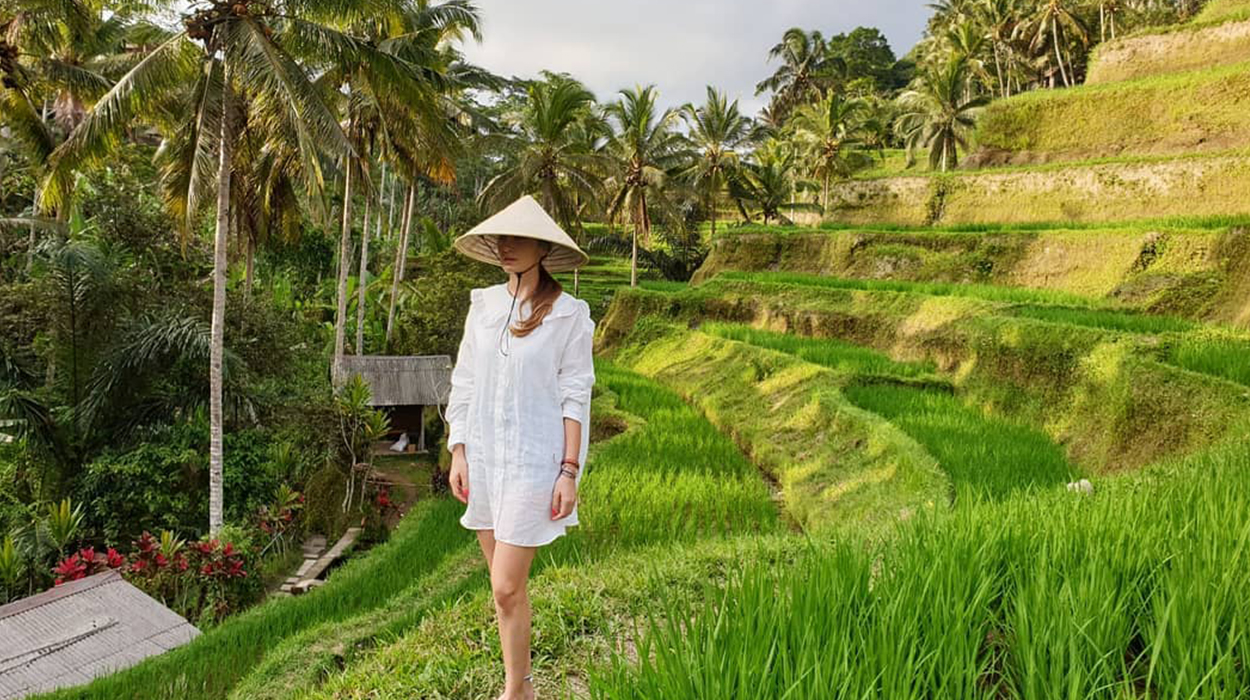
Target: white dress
509,412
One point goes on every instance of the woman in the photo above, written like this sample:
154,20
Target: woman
519,411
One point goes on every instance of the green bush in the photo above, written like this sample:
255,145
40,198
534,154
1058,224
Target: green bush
162,484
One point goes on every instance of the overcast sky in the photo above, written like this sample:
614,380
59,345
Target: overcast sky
680,45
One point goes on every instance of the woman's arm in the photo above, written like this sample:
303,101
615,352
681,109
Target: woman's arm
576,378
461,383
572,439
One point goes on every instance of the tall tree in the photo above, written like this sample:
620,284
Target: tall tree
646,148
828,140
805,72
717,129
549,160
232,64
554,153
938,115
1055,23
395,112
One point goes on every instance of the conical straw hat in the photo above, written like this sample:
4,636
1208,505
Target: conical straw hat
524,217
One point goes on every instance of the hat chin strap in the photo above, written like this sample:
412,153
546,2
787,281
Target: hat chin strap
508,322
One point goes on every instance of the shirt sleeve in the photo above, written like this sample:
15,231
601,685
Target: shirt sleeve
577,368
462,381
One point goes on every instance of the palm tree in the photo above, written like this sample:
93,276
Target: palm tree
552,155
768,183
937,113
717,129
60,53
378,117
646,148
827,138
1053,22
806,70
425,148
231,64
1108,10
999,19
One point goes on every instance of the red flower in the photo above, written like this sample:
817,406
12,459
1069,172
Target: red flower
71,568
114,560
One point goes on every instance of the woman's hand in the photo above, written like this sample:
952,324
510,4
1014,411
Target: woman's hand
458,479
564,497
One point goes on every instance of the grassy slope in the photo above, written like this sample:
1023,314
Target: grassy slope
1102,394
1193,273
985,456
1201,110
1223,11
837,465
1135,591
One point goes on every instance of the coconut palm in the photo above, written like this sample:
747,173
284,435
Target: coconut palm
717,129
768,183
550,160
937,114
555,154
1055,23
379,119
827,140
232,64
646,148
999,19
422,150
62,54
805,72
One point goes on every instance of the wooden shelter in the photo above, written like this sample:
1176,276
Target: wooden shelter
403,385
72,633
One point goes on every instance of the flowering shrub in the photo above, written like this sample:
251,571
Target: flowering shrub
86,562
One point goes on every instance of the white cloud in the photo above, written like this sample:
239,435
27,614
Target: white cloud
680,45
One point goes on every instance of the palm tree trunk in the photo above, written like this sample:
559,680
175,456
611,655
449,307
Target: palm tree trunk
401,257
998,70
390,217
30,245
360,282
713,215
381,204
633,259
1102,21
250,267
1054,23
345,262
217,328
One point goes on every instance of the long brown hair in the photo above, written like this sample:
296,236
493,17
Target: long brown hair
541,301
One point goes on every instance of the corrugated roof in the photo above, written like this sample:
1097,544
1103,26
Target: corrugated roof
81,629
403,380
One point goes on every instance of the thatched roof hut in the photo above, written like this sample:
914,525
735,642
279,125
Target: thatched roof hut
403,385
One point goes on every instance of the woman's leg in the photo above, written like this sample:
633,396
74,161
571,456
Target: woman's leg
509,572
486,539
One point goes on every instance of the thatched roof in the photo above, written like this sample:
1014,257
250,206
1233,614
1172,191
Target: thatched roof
403,380
72,633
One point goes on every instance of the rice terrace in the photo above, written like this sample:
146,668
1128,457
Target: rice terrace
915,375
